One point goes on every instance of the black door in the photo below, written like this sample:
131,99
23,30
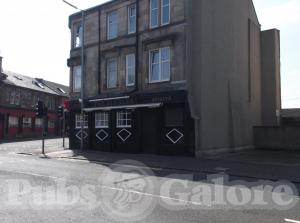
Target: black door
150,131
102,132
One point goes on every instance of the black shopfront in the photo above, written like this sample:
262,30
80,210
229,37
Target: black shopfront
156,123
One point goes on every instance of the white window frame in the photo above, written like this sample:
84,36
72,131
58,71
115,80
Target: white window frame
38,123
150,22
162,11
78,35
109,37
101,120
123,123
130,67
51,124
78,120
76,90
130,17
13,121
160,65
27,121
108,72
12,97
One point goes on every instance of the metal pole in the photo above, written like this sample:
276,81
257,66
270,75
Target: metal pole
82,78
64,127
43,135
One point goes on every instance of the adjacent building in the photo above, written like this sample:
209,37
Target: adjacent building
18,97
172,77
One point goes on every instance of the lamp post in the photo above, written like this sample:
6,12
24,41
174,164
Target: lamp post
82,70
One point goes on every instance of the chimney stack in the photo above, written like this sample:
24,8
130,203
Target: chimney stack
2,75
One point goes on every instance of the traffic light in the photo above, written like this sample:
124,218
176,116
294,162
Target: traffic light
40,109
60,111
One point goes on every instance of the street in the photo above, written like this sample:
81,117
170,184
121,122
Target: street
35,188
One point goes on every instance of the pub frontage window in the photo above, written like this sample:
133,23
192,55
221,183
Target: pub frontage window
78,120
101,120
124,119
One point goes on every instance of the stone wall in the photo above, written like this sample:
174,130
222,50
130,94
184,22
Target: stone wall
277,138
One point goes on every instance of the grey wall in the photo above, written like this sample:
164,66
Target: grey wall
271,91
277,138
224,75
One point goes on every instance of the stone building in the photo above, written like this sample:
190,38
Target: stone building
172,77
18,97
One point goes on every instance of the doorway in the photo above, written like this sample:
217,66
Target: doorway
150,131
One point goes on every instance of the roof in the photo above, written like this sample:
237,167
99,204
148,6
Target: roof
290,113
35,84
58,88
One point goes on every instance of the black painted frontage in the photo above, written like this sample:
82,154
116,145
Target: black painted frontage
150,123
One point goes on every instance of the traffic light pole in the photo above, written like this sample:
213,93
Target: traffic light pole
64,127
43,135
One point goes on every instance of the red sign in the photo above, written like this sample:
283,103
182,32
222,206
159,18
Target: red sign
67,105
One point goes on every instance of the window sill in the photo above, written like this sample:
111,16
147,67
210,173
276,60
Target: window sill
157,82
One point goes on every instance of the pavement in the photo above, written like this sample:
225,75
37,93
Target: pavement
256,164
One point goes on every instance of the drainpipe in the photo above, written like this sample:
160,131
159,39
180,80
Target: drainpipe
136,48
99,52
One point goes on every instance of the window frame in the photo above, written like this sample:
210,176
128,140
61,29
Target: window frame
78,120
13,121
129,19
51,124
27,124
40,124
76,90
103,120
150,17
78,35
120,120
12,96
130,67
109,25
160,65
108,61
162,13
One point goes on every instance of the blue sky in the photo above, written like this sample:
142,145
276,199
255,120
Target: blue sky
35,39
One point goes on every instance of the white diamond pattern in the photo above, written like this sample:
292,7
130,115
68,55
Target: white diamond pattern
174,140
103,135
122,137
78,135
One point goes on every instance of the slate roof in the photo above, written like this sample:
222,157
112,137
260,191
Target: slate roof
35,84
